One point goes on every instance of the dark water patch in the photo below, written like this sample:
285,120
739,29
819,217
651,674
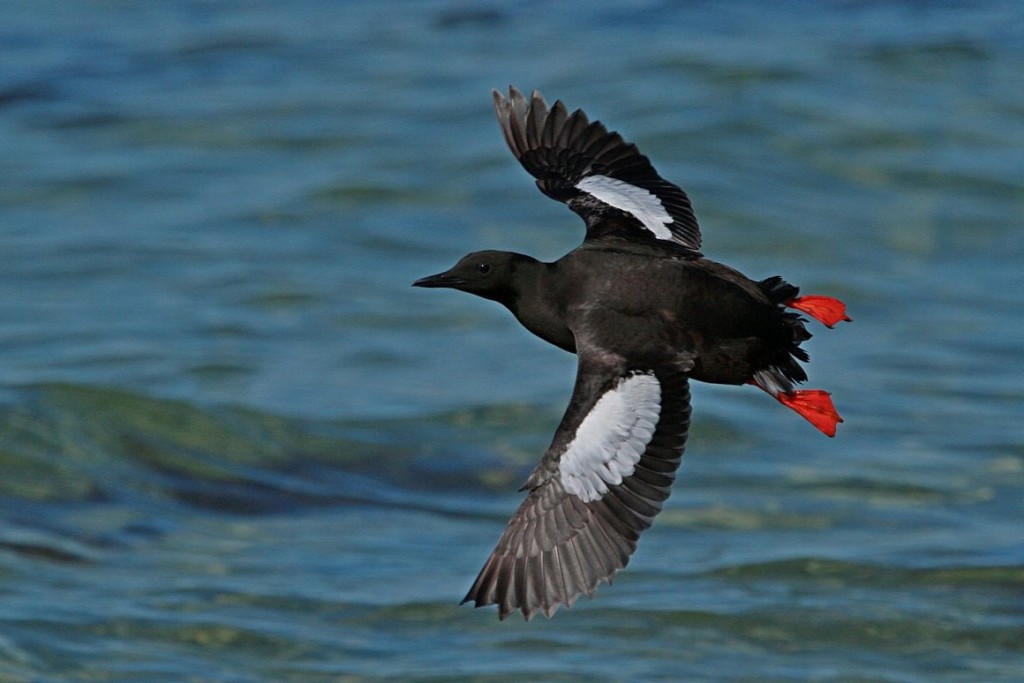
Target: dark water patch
80,532
406,616
62,552
208,636
717,74
231,43
364,195
796,630
86,120
27,92
878,490
67,443
928,54
469,16
218,372
721,517
282,299
830,571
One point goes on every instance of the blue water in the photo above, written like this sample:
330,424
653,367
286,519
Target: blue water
237,446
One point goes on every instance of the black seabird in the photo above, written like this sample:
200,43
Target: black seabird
645,312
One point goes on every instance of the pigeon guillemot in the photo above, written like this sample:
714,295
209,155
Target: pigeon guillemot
645,312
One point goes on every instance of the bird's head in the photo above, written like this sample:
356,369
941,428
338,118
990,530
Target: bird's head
490,274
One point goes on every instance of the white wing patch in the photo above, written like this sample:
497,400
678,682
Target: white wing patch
612,437
646,207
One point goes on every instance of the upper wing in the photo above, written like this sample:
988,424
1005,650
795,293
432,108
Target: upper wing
602,481
604,179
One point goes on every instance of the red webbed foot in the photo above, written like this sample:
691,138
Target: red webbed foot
815,406
825,309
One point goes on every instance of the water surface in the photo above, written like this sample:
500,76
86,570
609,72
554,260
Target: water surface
237,446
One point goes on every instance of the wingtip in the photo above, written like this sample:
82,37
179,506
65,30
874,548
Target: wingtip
515,95
519,100
548,609
501,106
507,101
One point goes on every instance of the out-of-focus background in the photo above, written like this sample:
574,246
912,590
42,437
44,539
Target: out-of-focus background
236,445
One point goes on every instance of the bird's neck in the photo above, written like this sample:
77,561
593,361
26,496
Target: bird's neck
535,303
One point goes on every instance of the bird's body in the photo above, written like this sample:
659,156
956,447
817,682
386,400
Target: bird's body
726,322
645,312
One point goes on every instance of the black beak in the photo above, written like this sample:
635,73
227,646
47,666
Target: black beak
439,280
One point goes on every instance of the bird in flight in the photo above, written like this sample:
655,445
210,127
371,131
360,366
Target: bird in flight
645,312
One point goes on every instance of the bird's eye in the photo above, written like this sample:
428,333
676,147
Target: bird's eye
484,268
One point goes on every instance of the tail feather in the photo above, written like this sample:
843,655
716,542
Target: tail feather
785,369
778,290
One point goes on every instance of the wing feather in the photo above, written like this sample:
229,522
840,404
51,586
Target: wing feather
559,545
561,149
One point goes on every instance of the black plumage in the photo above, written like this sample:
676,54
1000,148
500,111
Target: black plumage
645,312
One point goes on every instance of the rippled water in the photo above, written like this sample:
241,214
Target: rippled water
237,446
